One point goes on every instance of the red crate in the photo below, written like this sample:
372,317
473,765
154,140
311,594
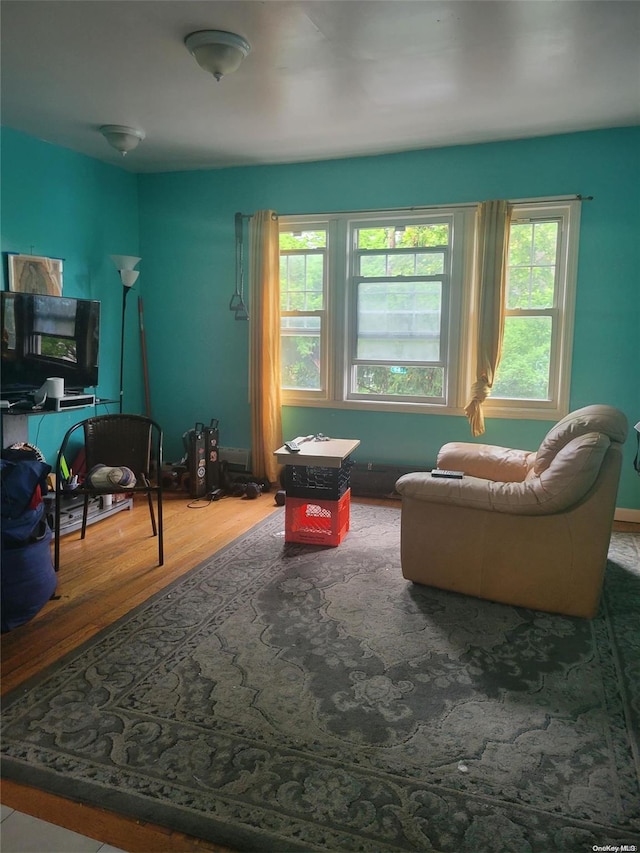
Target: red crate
315,522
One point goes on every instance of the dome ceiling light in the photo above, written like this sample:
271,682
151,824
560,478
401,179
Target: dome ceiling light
122,138
216,51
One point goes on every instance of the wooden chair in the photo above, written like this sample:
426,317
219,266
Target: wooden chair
130,441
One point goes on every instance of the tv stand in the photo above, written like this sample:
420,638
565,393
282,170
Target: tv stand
71,510
15,421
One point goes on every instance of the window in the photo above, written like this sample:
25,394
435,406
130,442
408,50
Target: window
378,310
535,363
400,285
303,285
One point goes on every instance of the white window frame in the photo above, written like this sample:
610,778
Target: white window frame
322,394
338,321
567,213
453,286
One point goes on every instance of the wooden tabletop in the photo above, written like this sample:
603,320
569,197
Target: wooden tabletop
319,454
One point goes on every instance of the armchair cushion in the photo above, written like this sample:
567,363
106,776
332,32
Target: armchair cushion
567,480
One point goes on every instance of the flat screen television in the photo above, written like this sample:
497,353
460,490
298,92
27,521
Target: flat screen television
44,336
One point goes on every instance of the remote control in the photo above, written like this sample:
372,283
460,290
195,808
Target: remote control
292,446
449,475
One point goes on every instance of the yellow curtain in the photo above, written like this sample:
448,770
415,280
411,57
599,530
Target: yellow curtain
264,358
494,218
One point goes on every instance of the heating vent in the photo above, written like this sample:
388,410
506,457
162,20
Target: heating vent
371,480
237,458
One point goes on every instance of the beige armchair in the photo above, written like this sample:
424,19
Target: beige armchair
530,529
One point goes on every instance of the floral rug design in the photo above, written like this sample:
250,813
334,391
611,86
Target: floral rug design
289,697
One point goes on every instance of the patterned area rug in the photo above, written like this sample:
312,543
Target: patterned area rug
290,697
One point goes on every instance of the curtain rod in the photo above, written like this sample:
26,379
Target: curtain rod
577,197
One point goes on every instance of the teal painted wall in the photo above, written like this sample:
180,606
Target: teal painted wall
57,202
61,204
198,352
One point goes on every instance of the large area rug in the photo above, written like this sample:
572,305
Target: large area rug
291,697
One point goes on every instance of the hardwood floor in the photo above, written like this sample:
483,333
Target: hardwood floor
102,578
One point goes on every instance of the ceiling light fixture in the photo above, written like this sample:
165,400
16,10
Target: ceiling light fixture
122,138
217,51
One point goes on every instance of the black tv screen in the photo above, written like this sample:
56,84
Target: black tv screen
44,336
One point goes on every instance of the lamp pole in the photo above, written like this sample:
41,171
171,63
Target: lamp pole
125,291
128,276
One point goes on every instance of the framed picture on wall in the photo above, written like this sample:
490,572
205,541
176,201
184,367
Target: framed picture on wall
33,274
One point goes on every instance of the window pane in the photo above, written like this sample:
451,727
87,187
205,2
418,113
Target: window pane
533,248
377,265
299,324
523,372
373,266
401,236
545,242
297,240
301,353
430,263
399,321
301,282
399,381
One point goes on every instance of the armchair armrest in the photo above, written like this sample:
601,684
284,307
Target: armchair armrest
487,461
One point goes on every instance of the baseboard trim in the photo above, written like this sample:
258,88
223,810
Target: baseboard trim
632,515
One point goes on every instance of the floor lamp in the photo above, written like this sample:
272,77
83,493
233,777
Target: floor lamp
128,276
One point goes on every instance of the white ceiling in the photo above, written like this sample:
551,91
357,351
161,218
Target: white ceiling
324,79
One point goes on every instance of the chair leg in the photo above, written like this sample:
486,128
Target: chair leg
152,514
160,535
56,533
85,512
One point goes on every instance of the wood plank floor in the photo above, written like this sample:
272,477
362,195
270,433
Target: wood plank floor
101,579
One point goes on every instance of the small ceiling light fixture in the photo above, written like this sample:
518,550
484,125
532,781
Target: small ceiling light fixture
122,138
217,51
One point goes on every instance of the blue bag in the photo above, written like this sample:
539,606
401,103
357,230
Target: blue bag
21,514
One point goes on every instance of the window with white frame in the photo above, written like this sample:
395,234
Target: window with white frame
400,282
377,310
534,369
303,299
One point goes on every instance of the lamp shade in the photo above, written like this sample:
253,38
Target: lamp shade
217,51
129,277
125,262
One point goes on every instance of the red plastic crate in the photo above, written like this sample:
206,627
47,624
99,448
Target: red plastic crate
315,522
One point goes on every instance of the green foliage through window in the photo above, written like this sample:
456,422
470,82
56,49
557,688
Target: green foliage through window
380,308
302,298
524,369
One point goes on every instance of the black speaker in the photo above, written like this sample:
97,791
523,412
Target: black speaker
212,455
196,460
